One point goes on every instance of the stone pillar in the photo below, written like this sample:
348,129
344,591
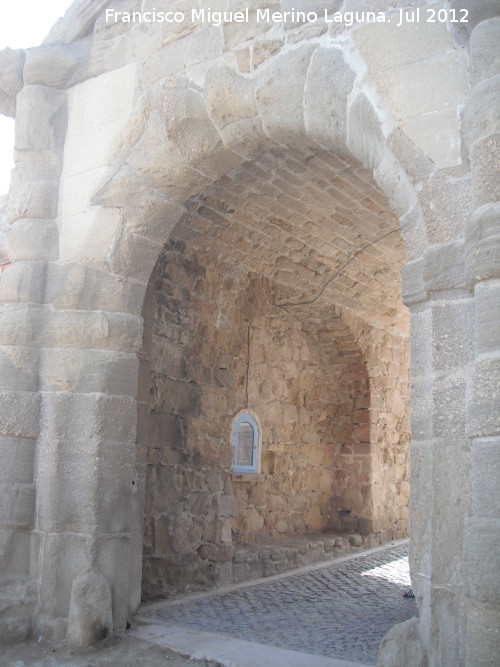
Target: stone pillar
86,464
31,235
441,345
481,125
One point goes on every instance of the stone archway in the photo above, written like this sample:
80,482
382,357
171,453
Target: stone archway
269,286
118,204
97,190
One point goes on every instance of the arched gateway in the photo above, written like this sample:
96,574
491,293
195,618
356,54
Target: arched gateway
211,219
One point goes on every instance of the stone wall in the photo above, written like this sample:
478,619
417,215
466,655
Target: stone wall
299,408
346,140
220,344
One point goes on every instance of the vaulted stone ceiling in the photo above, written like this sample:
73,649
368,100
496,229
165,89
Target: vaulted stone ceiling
316,226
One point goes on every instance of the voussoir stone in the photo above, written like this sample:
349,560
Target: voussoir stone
329,82
55,65
484,51
280,91
236,93
11,79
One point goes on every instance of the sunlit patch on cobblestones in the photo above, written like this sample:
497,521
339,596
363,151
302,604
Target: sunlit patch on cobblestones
396,571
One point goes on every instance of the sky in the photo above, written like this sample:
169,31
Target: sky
23,24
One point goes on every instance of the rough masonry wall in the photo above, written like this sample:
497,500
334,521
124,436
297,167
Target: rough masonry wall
388,362
299,408
219,345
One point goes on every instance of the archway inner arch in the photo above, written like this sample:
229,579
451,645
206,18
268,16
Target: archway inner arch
278,291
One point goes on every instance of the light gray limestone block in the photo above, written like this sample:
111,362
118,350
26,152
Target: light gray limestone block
413,285
484,51
33,200
48,132
481,115
485,476
280,91
477,11
329,82
444,266
483,398
482,245
30,238
487,314
365,139
402,645
230,97
90,617
11,79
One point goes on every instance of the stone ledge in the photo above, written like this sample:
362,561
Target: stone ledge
287,552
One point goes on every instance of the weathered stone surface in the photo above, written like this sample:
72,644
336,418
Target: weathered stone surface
444,266
418,73
483,400
17,600
447,203
237,95
147,211
55,65
482,245
481,115
19,413
476,11
279,290
402,646
413,283
484,168
395,184
77,22
484,51
365,140
329,82
29,238
17,505
90,618
280,93
11,79
70,328
486,466
33,200
417,165
49,132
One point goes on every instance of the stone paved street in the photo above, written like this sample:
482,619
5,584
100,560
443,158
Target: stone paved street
340,610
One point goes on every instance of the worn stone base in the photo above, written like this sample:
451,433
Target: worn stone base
265,558
282,553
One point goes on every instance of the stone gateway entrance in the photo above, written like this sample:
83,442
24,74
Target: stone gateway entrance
279,292
207,221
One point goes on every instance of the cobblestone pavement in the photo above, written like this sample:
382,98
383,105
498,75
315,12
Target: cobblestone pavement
340,610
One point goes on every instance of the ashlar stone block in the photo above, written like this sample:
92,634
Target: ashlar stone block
485,476
90,618
484,51
329,82
482,245
280,90
487,316
11,79
48,133
483,398
31,239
